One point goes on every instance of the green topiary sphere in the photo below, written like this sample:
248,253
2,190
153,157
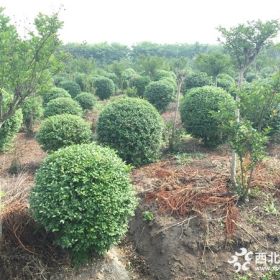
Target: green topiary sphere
225,81
63,105
104,87
197,111
132,127
140,83
72,87
84,195
63,130
197,79
160,94
86,100
54,93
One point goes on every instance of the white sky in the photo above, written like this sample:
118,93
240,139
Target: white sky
132,21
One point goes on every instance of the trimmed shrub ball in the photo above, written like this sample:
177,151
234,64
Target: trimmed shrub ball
63,105
140,83
162,74
198,79
104,87
197,111
72,87
54,93
86,100
225,81
63,130
133,127
160,94
84,195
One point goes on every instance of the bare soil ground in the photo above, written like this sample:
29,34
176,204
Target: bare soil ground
197,223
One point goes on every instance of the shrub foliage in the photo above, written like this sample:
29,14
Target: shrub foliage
84,195
11,126
140,83
160,94
86,100
54,93
133,127
198,79
32,111
63,130
9,130
72,87
104,87
198,113
63,105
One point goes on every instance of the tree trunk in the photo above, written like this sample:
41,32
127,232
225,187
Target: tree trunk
171,144
237,115
1,227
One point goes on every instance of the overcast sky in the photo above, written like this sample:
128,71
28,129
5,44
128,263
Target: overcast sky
132,21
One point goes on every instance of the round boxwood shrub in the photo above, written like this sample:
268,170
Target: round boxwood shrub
63,130
82,80
104,87
162,74
72,87
9,130
84,195
198,79
86,100
140,83
160,94
63,105
133,127
54,93
225,81
197,115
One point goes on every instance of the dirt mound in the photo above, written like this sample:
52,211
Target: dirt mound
193,209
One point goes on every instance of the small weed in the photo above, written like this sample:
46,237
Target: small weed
254,220
255,192
242,277
270,208
271,275
148,216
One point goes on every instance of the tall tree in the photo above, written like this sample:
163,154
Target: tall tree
244,42
26,63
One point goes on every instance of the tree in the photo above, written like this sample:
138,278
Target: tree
26,64
243,43
150,64
180,68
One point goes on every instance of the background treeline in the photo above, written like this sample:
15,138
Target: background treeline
106,53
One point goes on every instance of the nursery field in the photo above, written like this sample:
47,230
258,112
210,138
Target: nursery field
188,222
151,162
